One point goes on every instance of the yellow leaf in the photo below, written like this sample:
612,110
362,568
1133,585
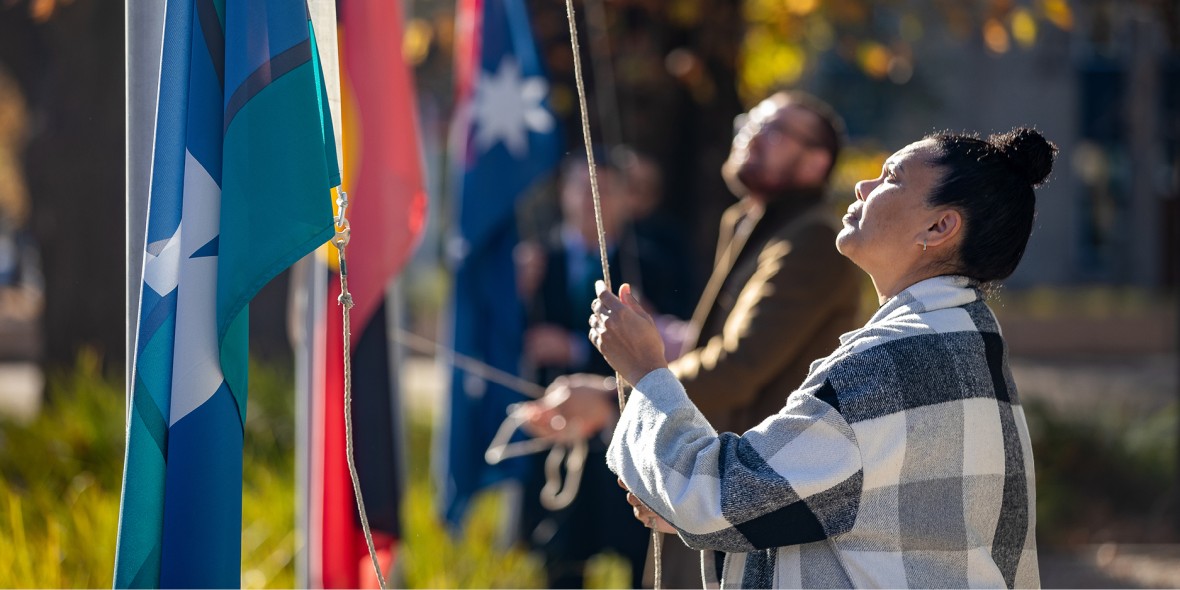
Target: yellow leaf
1024,28
1059,13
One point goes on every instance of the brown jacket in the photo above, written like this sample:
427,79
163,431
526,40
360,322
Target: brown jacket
779,297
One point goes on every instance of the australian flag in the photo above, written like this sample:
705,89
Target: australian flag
505,139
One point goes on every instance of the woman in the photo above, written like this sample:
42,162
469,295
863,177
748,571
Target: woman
903,460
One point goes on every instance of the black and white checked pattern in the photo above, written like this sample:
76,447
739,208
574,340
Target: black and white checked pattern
903,461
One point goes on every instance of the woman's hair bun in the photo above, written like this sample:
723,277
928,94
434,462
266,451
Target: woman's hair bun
1029,153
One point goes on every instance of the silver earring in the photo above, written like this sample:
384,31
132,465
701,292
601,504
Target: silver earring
923,244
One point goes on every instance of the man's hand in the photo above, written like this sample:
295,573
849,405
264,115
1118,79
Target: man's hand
574,407
645,515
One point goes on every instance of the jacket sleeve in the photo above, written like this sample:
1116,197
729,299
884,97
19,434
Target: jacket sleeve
793,292
795,478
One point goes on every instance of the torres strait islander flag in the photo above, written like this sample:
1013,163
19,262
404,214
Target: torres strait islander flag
243,162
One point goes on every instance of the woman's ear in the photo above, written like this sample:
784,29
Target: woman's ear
945,228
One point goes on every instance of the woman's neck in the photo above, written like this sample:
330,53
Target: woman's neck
889,287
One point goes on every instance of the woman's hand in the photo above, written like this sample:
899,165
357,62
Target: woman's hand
646,515
625,334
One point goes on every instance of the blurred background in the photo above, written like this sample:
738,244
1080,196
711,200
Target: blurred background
1091,315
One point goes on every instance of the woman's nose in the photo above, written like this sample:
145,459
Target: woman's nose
862,188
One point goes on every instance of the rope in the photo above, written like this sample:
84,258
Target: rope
472,366
341,241
555,495
569,11
656,536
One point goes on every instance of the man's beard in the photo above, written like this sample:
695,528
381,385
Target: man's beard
747,180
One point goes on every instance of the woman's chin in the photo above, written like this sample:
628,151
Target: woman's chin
845,240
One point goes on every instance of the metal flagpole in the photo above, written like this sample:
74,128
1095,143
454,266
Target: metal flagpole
143,39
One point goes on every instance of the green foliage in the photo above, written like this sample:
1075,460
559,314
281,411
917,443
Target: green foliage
1109,477
62,472
268,480
60,478
608,570
59,490
433,558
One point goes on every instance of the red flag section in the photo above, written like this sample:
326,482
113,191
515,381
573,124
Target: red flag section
387,211
382,164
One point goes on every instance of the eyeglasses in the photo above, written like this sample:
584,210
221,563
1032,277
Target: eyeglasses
773,132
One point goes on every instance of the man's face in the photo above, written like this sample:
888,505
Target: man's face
577,200
770,152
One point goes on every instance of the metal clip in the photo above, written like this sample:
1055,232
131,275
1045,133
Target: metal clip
342,207
343,232
343,229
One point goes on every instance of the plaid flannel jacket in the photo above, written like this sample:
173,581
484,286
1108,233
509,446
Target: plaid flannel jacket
902,461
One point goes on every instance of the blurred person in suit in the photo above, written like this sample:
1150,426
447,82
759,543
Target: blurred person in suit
556,274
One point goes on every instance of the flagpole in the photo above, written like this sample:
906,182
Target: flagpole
398,438
143,39
309,288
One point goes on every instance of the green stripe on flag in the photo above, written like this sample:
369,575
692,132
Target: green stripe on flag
275,203
139,538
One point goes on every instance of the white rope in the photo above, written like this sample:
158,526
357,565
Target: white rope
341,241
656,536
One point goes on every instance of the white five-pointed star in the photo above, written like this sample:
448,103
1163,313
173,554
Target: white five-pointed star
506,105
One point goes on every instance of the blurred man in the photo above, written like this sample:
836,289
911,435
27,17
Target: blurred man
779,295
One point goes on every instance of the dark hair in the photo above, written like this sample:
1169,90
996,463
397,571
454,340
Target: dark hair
990,182
831,131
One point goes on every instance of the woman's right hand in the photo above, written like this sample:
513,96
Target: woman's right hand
625,334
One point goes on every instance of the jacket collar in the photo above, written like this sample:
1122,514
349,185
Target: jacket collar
932,294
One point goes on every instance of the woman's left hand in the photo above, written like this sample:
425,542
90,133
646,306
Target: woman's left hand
625,334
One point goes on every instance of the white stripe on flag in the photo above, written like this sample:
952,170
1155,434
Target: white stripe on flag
196,364
161,270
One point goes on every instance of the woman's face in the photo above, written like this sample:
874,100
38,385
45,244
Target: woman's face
884,228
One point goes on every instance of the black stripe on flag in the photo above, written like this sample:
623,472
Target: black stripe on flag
266,73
